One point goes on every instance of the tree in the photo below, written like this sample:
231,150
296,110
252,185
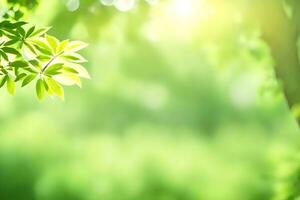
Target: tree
280,30
278,22
28,54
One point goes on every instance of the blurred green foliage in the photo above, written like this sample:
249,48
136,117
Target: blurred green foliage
29,4
180,107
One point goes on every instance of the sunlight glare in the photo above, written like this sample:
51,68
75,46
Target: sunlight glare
183,8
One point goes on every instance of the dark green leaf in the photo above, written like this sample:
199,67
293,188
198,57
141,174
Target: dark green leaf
28,79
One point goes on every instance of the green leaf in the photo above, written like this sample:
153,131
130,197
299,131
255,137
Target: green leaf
30,31
53,42
43,58
74,57
30,47
10,50
62,46
70,70
53,69
19,64
75,46
11,42
40,32
68,79
55,87
11,86
3,55
42,46
82,72
48,89
28,79
35,63
40,89
21,31
20,77
3,81
18,24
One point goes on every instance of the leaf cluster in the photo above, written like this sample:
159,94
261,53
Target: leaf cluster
30,55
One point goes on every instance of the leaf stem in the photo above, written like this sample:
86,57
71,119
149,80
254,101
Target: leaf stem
50,62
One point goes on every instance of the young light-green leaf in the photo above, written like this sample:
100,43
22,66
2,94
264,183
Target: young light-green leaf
53,42
11,86
40,89
55,87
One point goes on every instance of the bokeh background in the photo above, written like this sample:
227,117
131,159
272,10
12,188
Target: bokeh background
182,105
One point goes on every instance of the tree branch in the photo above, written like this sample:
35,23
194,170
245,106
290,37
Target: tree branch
281,34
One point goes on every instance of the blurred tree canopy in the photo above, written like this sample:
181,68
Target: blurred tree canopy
183,105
